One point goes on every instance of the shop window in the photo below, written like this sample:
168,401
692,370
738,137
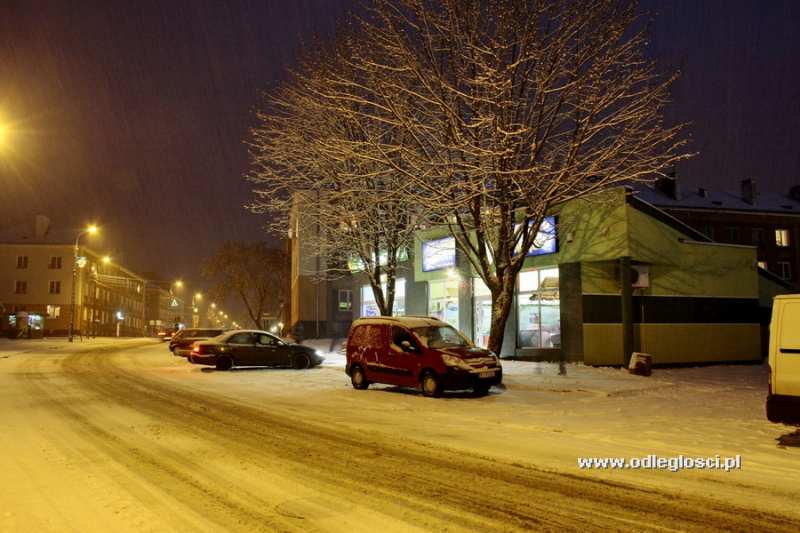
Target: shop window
21,287
782,237
785,270
22,261
481,313
53,311
55,262
369,306
345,300
539,309
55,287
443,300
438,254
708,231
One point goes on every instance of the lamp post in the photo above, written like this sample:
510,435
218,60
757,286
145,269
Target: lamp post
91,230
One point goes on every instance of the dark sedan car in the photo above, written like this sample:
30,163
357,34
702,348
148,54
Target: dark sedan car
182,342
252,348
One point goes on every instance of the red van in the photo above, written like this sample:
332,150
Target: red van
422,352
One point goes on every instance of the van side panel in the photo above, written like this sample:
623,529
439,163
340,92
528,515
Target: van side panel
786,363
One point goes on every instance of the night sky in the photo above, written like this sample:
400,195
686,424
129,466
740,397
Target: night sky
134,113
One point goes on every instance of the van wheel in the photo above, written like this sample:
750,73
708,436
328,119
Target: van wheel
224,363
301,361
358,379
431,385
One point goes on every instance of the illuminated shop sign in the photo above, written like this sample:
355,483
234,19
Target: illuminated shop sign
438,254
546,241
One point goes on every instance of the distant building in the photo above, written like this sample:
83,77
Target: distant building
318,305
768,221
163,310
36,287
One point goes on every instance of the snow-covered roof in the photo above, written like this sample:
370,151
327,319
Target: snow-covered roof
699,198
408,321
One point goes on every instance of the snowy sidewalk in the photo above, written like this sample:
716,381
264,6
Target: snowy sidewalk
537,376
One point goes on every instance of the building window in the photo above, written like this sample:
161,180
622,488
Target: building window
21,287
345,300
53,311
785,270
438,254
539,309
733,234
757,235
22,261
782,237
762,264
55,287
443,300
55,262
370,308
481,312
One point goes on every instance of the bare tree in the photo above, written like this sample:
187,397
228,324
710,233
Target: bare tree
253,273
312,154
506,109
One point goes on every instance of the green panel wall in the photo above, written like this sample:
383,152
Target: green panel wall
685,268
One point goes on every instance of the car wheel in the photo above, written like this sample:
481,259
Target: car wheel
224,363
431,385
358,379
481,389
301,361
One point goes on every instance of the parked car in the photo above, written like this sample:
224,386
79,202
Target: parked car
420,352
252,348
783,398
165,335
182,342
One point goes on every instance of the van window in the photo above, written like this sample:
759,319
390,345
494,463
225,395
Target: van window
399,335
441,336
790,326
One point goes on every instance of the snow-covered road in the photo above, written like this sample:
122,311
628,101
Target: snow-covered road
121,435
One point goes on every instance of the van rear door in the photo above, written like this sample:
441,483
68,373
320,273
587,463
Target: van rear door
786,365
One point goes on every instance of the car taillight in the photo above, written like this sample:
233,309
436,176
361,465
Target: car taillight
196,349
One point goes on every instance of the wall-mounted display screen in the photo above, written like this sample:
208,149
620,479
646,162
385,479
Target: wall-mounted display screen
437,254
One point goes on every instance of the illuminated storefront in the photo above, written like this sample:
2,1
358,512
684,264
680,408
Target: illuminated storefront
443,300
369,306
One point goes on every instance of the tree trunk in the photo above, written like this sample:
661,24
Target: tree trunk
501,308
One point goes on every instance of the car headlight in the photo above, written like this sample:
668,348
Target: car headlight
456,362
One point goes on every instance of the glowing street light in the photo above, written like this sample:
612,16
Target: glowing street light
198,296
179,284
213,305
106,260
91,229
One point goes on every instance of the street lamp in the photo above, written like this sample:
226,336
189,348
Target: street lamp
90,230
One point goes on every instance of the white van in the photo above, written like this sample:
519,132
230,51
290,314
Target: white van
783,401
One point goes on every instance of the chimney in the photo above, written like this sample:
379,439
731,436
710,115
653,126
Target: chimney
794,193
41,226
749,191
669,185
